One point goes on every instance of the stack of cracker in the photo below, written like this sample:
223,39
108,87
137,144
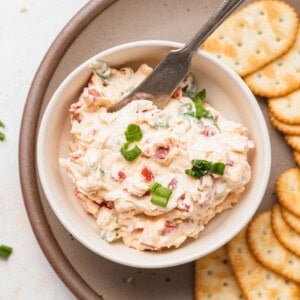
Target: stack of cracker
261,42
263,260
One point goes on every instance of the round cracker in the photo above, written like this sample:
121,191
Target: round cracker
297,157
288,190
214,278
288,237
287,108
255,280
290,219
254,36
269,251
280,77
283,127
293,141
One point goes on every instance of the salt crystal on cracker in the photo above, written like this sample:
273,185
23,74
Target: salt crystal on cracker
254,36
269,251
280,77
292,220
287,108
288,190
214,278
288,237
255,280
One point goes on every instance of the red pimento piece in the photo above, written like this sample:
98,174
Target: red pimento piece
121,175
148,175
93,92
75,156
169,226
177,94
75,116
207,130
173,184
107,204
162,152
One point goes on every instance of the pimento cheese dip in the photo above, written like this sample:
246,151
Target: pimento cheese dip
150,177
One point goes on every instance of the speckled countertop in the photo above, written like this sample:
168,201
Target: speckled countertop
27,29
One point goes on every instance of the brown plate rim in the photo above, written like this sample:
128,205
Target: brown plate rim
27,149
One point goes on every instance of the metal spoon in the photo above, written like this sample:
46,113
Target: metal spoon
169,73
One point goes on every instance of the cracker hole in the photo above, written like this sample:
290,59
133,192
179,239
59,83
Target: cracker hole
225,283
240,44
298,70
241,25
276,82
209,272
237,63
259,32
241,296
257,51
221,37
264,231
240,250
218,55
279,64
268,276
209,296
262,13
290,262
278,39
259,75
259,294
269,251
225,261
249,272
280,20
287,281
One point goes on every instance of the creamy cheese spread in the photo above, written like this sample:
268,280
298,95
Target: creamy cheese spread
121,194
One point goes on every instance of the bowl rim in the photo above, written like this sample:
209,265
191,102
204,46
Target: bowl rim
161,43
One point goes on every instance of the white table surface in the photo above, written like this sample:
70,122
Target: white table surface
27,29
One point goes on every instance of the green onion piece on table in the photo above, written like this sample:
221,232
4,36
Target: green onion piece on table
5,251
160,194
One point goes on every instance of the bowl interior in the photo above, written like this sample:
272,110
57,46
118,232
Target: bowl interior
225,91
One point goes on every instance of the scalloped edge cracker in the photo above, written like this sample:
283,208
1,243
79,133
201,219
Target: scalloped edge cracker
288,190
280,77
214,278
255,280
283,127
296,155
293,141
286,108
288,237
292,220
254,35
269,251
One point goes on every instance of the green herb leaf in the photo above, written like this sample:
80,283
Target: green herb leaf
160,194
2,136
2,124
5,251
201,168
131,154
133,133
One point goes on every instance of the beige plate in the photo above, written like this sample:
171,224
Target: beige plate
102,24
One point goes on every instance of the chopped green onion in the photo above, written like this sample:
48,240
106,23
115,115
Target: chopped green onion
2,124
131,154
203,167
2,136
198,100
5,251
160,194
133,133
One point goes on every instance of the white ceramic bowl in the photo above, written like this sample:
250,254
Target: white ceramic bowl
226,92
